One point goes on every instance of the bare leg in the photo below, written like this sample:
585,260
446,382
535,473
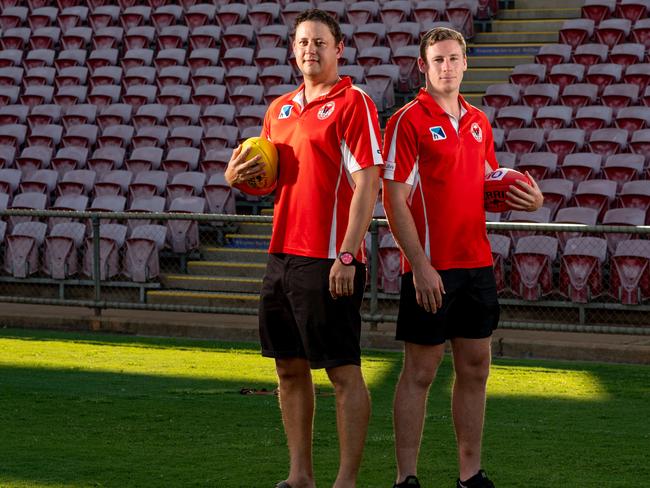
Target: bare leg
352,416
472,365
419,370
297,406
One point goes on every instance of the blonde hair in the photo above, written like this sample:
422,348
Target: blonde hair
438,34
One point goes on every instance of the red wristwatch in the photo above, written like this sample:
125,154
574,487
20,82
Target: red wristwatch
346,258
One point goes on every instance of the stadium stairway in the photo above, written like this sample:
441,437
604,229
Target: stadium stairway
231,275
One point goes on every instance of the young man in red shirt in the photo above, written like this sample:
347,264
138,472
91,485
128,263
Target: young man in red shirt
328,141
437,150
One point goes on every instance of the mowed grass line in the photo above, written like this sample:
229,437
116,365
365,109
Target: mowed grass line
82,410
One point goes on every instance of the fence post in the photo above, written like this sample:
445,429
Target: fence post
374,263
96,265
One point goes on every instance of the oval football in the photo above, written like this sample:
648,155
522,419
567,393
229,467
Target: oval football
497,184
265,183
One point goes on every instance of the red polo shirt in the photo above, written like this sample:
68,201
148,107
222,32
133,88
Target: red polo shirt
446,171
319,146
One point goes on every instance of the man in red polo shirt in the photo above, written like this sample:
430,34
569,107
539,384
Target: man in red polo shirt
437,150
327,136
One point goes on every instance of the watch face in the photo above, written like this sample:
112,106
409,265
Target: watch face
346,258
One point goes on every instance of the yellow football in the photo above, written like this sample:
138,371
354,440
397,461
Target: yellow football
265,183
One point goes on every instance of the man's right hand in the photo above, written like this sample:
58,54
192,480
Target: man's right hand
239,169
428,287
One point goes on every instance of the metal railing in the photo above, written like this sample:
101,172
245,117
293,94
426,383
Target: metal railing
553,304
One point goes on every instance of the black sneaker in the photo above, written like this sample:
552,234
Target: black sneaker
479,480
409,482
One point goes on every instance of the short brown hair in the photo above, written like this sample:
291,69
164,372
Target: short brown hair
323,17
438,34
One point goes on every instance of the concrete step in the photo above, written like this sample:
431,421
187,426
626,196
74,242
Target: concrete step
267,211
548,4
478,86
234,254
475,99
538,13
223,268
255,228
481,74
212,283
497,61
204,298
543,36
249,241
527,26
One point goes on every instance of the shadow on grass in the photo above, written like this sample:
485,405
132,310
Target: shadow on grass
75,427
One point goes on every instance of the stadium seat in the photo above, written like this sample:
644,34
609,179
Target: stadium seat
551,55
390,263
521,141
593,117
141,262
608,141
565,141
635,194
633,118
623,217
596,194
579,167
34,158
16,114
553,117
42,180
532,263
581,268
506,159
22,249
622,168
61,250
641,32
144,159
574,215
576,31
70,158
630,272
540,165
590,54
604,74
633,10
115,182
153,204
70,203
181,158
514,117
598,10
627,54
369,35
620,95
557,193
219,196
528,74
640,143
107,158
579,95
541,95
613,31
148,184
152,136
566,74
215,161
183,235
500,246
638,74
361,13
111,242
77,182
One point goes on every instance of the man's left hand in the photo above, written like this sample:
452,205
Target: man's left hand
341,279
524,196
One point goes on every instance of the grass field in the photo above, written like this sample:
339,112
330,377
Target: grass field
89,410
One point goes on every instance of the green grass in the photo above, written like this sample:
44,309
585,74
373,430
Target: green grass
83,410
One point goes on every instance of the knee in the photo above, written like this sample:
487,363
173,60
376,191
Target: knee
292,370
344,378
476,370
420,375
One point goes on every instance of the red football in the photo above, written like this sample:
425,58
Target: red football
496,187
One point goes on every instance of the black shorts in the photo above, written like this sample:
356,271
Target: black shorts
470,308
299,317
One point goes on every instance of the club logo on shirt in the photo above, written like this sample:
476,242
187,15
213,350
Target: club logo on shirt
325,111
438,133
477,132
285,111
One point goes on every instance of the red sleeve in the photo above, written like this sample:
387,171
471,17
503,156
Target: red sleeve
400,148
361,137
490,156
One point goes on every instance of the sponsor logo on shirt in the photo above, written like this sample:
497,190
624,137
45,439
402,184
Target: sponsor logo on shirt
438,133
477,132
390,166
285,111
326,110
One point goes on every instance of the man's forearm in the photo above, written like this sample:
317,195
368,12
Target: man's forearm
361,208
404,231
